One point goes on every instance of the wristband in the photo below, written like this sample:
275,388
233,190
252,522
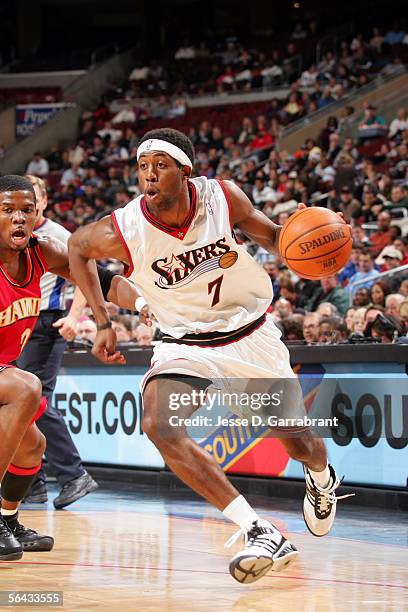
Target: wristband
140,303
102,326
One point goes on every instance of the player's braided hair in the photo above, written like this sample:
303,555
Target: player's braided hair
15,182
174,137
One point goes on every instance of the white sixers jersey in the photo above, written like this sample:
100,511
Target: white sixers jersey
196,279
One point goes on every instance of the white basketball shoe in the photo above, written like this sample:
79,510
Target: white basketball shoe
265,549
319,505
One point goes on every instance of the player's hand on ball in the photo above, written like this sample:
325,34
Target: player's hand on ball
104,348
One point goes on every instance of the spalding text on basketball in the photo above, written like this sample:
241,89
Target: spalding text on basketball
309,245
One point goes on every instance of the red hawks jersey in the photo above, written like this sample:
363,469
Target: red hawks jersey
196,278
20,304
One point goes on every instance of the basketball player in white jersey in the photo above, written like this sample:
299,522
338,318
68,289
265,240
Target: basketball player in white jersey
210,298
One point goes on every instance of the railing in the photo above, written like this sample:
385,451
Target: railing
345,100
373,278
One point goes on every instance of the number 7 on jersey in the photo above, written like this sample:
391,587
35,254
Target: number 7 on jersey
216,285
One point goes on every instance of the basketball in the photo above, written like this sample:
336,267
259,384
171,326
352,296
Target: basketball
315,242
228,259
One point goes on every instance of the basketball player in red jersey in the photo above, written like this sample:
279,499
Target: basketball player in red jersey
23,260
210,299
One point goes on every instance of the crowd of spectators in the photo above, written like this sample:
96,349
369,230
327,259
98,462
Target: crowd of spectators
365,177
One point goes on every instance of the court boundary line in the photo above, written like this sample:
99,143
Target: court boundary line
193,571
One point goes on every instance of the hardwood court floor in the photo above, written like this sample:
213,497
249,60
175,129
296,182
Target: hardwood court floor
127,550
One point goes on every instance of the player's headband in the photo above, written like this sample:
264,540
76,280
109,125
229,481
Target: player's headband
162,146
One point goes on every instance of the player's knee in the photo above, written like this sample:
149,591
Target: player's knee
29,393
160,433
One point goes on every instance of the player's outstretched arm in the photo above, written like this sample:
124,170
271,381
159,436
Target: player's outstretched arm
253,223
97,240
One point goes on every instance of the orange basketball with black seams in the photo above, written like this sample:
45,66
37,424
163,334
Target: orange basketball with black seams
315,242
228,259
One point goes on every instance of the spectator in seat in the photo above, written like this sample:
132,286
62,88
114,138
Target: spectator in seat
399,197
365,272
393,302
38,166
385,328
348,203
348,319
329,332
72,174
326,309
143,335
383,236
389,258
122,327
370,206
262,192
361,297
86,330
126,115
311,327
309,76
378,292
399,124
372,124
329,291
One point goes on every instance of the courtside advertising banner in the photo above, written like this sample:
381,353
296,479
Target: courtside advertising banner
102,410
29,117
362,417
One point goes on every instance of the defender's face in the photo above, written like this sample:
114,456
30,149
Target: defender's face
17,219
161,179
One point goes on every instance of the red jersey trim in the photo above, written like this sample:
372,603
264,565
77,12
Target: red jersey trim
29,273
128,268
176,232
228,198
40,258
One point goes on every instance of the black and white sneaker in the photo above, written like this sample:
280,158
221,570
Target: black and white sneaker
30,540
10,547
319,505
265,549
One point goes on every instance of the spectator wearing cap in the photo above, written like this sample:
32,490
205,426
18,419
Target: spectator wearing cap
372,124
389,259
348,203
365,273
383,236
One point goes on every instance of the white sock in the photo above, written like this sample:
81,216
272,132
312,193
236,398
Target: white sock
241,513
5,512
321,478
